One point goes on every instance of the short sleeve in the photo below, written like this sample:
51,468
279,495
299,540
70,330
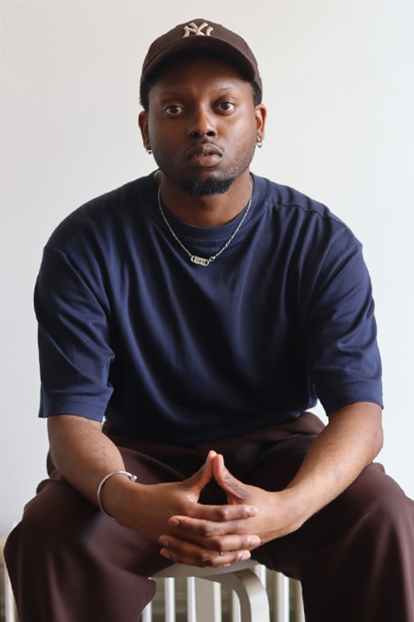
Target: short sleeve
343,357
75,355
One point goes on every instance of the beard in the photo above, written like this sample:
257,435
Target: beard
197,187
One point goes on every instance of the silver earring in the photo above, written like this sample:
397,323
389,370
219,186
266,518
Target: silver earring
148,149
259,143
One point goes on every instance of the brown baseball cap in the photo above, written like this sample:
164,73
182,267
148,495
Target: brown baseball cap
203,35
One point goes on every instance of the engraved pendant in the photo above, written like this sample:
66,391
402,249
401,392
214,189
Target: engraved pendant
201,261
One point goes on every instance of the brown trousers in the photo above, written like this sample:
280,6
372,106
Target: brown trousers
355,558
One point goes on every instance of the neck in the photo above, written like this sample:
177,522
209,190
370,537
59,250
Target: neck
205,211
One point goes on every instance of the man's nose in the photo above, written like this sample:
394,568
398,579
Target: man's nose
202,124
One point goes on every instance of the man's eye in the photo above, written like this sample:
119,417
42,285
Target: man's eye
227,106
173,111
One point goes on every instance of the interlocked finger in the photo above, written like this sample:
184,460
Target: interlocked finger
224,513
186,527
224,543
193,554
231,543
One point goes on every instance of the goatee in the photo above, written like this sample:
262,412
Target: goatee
198,188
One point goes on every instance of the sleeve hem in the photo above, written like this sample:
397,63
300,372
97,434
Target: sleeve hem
345,398
68,407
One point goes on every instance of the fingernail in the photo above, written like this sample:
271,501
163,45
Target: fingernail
245,556
174,522
252,511
165,554
255,541
164,541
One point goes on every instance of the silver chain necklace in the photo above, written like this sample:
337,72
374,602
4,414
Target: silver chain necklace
203,261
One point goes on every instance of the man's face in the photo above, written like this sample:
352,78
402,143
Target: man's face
202,124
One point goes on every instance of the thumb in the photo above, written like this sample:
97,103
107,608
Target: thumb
233,487
203,476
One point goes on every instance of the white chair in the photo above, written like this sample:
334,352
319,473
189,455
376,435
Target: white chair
7,606
240,577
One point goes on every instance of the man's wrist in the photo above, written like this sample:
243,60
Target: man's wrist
130,476
301,505
116,495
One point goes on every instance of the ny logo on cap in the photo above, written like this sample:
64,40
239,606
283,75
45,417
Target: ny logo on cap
196,30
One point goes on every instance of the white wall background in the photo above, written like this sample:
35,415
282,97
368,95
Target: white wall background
339,87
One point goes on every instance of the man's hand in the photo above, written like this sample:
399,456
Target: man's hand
276,517
148,508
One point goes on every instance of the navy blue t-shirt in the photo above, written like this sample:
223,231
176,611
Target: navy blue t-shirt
170,351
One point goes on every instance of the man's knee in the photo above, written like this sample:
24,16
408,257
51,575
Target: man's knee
376,497
374,507
50,518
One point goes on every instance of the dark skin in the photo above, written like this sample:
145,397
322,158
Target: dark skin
202,122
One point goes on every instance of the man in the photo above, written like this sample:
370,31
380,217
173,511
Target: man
201,311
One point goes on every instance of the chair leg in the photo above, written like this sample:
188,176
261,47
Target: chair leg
254,603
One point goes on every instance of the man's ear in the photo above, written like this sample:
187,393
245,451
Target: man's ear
261,115
143,126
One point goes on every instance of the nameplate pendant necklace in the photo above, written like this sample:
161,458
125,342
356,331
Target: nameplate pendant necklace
204,261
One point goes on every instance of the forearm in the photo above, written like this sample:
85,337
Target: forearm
350,442
83,455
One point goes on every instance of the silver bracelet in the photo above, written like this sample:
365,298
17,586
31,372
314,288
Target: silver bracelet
133,478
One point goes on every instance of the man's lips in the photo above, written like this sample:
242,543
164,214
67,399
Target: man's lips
205,154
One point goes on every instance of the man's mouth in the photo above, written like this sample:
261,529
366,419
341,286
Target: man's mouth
204,154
